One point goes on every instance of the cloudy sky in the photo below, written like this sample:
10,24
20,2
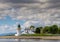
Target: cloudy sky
28,12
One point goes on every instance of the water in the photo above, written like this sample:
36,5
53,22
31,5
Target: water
27,40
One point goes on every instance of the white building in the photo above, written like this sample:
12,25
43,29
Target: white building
26,31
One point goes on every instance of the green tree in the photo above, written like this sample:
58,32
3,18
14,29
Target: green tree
32,27
41,29
46,29
37,30
53,29
59,30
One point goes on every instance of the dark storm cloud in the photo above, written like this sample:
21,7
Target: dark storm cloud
20,1
51,3
54,4
54,1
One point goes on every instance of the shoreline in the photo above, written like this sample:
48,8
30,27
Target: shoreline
31,37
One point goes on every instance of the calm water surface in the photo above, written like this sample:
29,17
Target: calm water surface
27,40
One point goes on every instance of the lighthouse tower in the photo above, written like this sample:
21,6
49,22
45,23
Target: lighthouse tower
18,31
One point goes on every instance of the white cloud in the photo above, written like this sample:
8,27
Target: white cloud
44,12
34,23
43,0
4,6
7,28
31,12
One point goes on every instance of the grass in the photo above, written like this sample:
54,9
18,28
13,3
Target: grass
40,35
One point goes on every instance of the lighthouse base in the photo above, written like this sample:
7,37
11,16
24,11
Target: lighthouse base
17,34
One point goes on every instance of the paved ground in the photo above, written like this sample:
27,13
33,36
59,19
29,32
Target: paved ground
30,37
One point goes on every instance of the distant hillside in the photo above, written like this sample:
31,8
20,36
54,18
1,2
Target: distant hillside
8,34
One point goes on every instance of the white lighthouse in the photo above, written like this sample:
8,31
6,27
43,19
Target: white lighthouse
18,31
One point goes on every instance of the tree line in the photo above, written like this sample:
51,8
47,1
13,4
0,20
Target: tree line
53,29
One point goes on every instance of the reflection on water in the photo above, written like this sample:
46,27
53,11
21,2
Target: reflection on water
27,40
18,40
